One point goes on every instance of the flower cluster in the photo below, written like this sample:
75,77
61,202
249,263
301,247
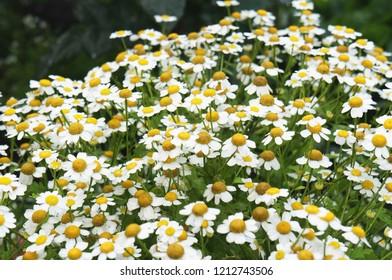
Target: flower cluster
241,140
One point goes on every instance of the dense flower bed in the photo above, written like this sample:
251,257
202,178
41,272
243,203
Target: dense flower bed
240,141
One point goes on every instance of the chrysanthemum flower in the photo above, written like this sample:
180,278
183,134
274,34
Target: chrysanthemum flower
355,235
315,128
197,212
378,143
75,252
7,220
282,229
238,230
315,159
278,134
219,191
79,168
358,104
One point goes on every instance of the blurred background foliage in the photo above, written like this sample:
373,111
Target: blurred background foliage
68,37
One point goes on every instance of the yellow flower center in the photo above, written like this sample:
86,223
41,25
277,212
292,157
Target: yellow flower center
388,124
279,255
170,231
343,133
5,181
209,92
125,93
74,254
305,255
262,187
175,251
238,139
30,256
45,83
144,200
2,220
272,191
52,200
310,235
271,116
237,226
167,145
260,81
107,247
224,22
355,102
276,132
283,227
142,62
260,214
356,172
75,128
102,200
314,129
315,155
199,209
323,68
72,232
148,110
165,77
358,231
267,100
184,135
38,216
204,138
129,251
267,64
344,57
41,239
218,187
249,185
165,101
132,230
379,140
94,82
360,80
45,154
198,59
297,205
312,209
267,155
196,101
22,126
389,186
171,196
329,217
367,185
99,220
79,165
212,116
219,76
173,89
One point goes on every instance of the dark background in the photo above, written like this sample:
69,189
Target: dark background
68,37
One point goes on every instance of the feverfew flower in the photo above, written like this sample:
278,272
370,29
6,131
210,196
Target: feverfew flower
219,191
238,230
358,104
315,159
7,220
197,212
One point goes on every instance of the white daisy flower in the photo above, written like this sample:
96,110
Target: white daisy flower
238,231
219,191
